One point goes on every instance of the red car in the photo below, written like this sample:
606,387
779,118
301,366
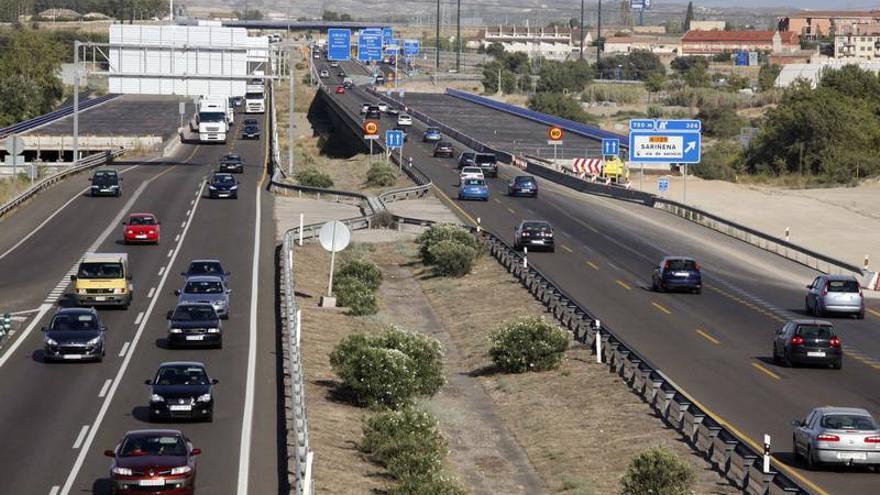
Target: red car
141,227
153,461
340,90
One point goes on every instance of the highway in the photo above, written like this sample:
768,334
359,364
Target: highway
57,419
716,346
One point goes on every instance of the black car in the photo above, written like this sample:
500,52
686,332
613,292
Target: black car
677,273
533,234
807,342
250,122
523,185
74,334
488,162
182,390
106,183
231,163
223,185
250,132
194,325
444,148
373,113
206,267
466,159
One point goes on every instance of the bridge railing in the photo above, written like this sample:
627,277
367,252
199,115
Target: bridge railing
62,112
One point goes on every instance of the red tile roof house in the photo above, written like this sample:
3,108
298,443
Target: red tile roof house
711,42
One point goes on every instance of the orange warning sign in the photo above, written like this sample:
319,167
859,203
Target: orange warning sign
371,128
555,134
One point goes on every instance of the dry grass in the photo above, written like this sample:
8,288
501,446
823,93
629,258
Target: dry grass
8,190
579,425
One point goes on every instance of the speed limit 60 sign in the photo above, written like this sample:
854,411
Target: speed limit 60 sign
554,135
371,129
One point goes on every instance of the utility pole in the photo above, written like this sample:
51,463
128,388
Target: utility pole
437,55
599,37
291,66
171,11
581,31
75,102
458,39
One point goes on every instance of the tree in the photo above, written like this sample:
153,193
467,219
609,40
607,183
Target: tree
689,16
36,58
560,105
495,49
638,65
720,121
249,15
491,72
564,76
20,99
767,75
685,63
654,83
853,81
697,77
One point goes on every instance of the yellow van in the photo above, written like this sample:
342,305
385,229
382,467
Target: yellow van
102,279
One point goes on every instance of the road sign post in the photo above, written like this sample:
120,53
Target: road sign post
554,138
663,185
334,237
371,132
666,141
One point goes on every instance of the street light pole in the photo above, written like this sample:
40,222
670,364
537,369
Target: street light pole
437,55
599,36
458,39
290,74
75,101
581,31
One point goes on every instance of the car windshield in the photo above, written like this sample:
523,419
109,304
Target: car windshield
100,270
543,227
812,332
467,156
471,170
848,422
444,144
236,158
142,221
254,96
681,265
524,180
484,159
475,182
181,375
203,287
249,122
73,323
187,312
222,179
432,131
105,178
205,268
161,445
842,286
212,117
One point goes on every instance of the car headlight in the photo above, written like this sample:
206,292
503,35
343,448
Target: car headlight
213,330
175,330
204,398
180,470
94,341
211,187
156,398
119,290
121,471
81,291
51,341
130,232
233,187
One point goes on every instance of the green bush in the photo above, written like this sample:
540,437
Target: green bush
384,220
356,295
528,344
721,122
560,105
311,177
375,376
363,270
381,175
723,161
657,471
452,259
423,366
619,93
434,484
407,442
441,232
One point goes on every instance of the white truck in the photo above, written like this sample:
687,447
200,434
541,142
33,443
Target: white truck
254,99
213,119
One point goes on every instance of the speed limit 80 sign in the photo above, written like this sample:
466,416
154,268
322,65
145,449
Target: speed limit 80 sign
555,135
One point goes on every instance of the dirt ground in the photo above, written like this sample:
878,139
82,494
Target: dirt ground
9,190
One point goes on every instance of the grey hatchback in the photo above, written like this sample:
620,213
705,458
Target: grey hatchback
837,435
807,342
835,294
206,289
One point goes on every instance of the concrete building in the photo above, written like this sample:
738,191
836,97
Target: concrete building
820,23
859,44
654,44
707,25
552,44
712,42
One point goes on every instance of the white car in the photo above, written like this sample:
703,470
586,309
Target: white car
334,64
404,119
470,173
383,107
364,108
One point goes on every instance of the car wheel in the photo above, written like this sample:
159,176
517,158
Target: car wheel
552,250
786,359
776,358
807,308
698,291
794,449
861,315
812,465
209,418
837,364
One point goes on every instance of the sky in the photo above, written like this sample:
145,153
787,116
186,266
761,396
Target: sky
802,4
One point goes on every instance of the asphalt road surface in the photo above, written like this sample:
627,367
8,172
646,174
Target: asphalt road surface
715,346
57,419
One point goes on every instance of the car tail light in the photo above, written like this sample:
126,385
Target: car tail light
825,289
797,340
872,439
827,438
697,266
835,341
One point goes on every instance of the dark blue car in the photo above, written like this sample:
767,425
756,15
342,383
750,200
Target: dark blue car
223,185
677,273
182,390
523,185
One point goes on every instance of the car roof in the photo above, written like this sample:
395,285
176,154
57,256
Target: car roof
682,258
75,311
810,321
204,278
839,277
541,222
141,215
152,432
472,168
826,410
182,363
192,303
204,261
104,257
443,143
524,177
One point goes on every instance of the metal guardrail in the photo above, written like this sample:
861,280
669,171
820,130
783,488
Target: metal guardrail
92,161
62,112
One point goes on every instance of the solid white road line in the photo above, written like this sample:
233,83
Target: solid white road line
79,438
50,217
124,349
24,335
150,294
104,389
105,405
137,321
54,490
244,455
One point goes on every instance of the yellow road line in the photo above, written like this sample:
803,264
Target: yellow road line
511,210
623,284
566,248
708,337
593,265
661,308
766,371
454,205
497,200
874,312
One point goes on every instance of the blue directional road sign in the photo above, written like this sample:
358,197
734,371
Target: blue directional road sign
370,46
742,58
394,139
665,141
411,48
610,147
663,184
387,35
339,44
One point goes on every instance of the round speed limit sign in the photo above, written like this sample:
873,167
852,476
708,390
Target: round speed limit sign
555,134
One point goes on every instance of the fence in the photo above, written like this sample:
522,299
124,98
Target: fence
89,162
52,116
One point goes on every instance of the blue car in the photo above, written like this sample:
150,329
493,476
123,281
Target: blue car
677,273
432,135
473,189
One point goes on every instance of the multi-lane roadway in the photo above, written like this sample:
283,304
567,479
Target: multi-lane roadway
56,420
716,346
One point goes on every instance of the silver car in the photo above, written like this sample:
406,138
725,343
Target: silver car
837,435
206,289
835,294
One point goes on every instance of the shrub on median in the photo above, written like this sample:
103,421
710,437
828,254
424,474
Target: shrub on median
452,259
658,471
381,175
311,177
356,295
528,343
441,232
407,442
363,270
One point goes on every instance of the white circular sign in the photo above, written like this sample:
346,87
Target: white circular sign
334,236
